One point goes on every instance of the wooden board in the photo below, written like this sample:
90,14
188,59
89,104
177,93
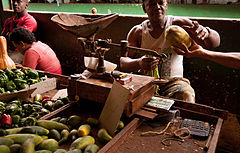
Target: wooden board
60,93
44,86
23,94
113,107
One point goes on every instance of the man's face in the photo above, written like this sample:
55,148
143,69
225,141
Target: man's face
19,6
155,9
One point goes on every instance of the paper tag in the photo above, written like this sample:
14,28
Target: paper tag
114,107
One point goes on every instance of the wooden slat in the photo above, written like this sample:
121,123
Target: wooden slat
23,94
146,114
138,102
214,141
186,113
201,108
150,109
53,113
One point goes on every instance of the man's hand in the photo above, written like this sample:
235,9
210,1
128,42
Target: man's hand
195,50
148,63
197,30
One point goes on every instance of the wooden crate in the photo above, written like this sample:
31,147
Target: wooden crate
129,138
98,89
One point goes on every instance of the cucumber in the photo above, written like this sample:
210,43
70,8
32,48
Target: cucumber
35,130
10,131
103,136
28,146
20,138
74,121
63,120
4,149
48,124
57,119
6,141
73,134
44,137
64,135
15,148
82,142
92,148
49,144
43,151
75,151
60,151
93,121
54,134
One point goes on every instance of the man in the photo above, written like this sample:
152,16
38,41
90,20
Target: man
37,55
150,35
21,19
229,59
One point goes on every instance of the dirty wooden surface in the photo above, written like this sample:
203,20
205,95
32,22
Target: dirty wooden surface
153,143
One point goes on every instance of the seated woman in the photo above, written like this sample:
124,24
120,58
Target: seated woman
37,55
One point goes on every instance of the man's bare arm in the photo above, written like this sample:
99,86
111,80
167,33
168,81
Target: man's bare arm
229,59
127,64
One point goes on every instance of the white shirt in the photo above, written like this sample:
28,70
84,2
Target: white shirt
173,65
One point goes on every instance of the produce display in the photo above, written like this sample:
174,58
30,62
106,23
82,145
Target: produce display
20,113
15,79
52,136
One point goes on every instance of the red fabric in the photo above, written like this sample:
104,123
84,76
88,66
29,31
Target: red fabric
27,21
41,57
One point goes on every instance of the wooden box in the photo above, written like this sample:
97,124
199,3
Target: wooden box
141,90
130,139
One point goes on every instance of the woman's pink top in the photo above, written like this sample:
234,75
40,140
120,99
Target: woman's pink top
41,57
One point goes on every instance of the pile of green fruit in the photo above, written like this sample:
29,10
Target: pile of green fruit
12,80
47,136
49,103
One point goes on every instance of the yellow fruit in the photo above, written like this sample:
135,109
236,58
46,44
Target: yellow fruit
84,130
176,35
